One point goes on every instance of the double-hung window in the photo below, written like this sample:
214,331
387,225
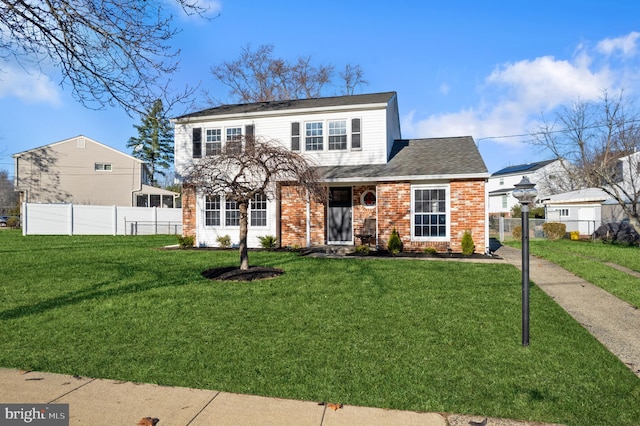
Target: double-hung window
337,135
259,210
212,210
231,213
234,139
430,207
313,140
213,142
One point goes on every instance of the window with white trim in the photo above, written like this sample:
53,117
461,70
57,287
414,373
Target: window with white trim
258,210
504,202
356,143
313,140
213,142
234,139
212,210
103,167
337,135
430,212
231,213
564,212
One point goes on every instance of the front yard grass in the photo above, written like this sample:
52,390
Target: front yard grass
588,260
400,334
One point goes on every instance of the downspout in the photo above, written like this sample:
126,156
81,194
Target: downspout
308,242
487,240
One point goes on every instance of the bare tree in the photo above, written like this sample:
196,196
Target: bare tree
259,76
252,167
110,52
8,197
599,143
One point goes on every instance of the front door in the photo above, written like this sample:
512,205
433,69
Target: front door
339,217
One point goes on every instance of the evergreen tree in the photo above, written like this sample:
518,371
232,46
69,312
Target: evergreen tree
154,144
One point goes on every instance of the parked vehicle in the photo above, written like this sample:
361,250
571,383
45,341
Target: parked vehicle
3,220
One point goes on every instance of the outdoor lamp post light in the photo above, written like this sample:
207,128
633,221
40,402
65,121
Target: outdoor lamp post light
526,194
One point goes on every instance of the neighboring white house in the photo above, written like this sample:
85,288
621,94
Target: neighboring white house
501,183
580,210
430,190
81,170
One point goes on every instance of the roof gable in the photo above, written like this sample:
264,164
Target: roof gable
75,139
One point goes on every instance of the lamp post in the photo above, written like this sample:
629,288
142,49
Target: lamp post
525,194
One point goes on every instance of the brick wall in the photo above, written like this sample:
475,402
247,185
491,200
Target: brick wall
188,210
467,213
293,219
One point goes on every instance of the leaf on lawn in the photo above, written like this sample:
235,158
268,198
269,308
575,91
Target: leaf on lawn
331,405
148,421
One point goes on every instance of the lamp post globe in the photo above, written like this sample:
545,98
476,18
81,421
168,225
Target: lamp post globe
526,194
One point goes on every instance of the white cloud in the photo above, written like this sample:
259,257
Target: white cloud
626,45
512,98
29,86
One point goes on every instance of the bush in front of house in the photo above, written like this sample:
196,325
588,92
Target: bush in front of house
268,242
395,243
186,241
468,247
224,241
362,250
554,230
430,251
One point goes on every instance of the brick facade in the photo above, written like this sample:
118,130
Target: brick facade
188,210
392,210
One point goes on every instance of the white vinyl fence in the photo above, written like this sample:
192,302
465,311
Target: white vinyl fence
71,219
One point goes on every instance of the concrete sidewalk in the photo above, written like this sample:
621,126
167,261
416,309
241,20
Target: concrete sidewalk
614,322
99,402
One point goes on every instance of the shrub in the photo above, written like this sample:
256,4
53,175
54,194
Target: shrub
574,235
295,247
268,242
362,249
430,250
517,233
186,241
13,222
467,244
224,241
395,243
554,230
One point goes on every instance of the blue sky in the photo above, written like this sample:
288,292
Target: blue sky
482,68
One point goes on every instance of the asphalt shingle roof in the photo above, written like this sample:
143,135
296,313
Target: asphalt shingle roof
418,157
257,107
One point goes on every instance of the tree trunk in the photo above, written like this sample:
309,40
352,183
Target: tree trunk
244,227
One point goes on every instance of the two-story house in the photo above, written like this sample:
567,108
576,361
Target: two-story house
81,170
430,190
549,177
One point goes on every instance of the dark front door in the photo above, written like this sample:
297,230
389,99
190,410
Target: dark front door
339,217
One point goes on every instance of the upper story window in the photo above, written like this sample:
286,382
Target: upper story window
213,142
103,167
313,140
234,139
501,181
337,135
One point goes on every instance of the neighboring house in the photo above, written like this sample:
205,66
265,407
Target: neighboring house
81,170
430,190
501,184
580,210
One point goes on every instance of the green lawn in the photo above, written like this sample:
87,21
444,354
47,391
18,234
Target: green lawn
400,334
588,260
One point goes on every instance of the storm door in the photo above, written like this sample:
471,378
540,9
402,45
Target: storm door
339,215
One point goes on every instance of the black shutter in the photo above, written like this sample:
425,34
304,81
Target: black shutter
197,142
355,134
249,132
295,136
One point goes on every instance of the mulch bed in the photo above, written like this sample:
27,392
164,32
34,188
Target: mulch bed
234,273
